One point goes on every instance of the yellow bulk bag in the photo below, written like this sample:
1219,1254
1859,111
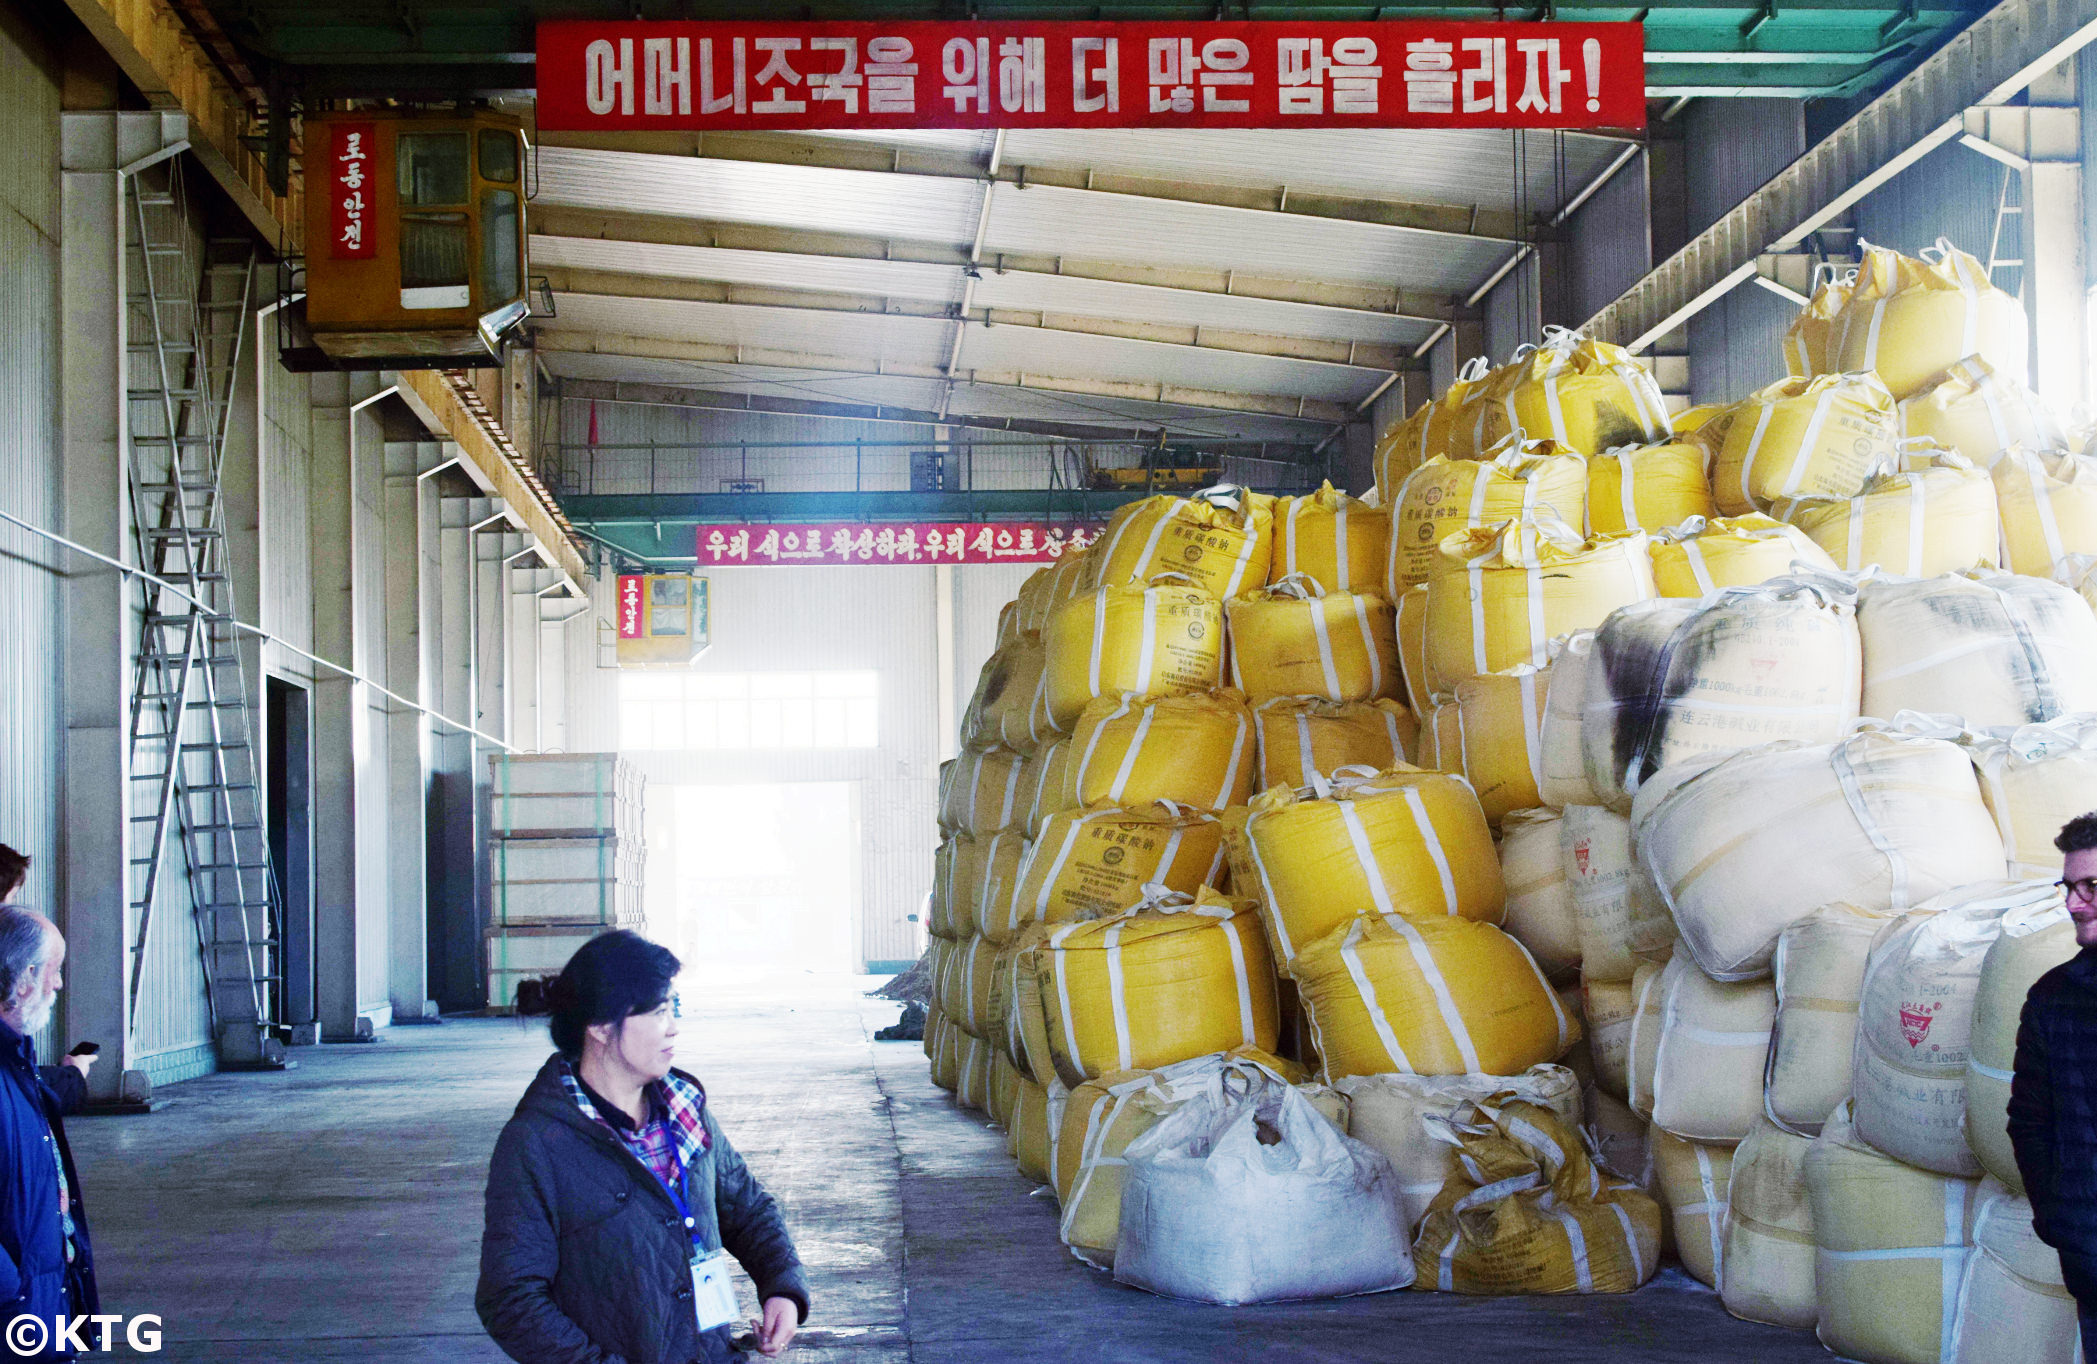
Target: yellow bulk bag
1048,588
1091,863
944,1041
1695,1178
1412,650
940,914
1398,451
1044,785
1809,343
1891,1244
1819,967
1743,845
981,792
1623,920
1428,997
1582,395
966,868
1527,1212
1019,1014
971,969
1915,1022
1297,639
1402,841
1005,1083
2012,1301
1699,557
1979,413
1769,1251
1911,319
1339,542
1821,437
1030,1139
1607,1010
1673,679
1646,489
1429,431
992,899
1196,750
1936,520
2048,503
1443,496
1001,709
1222,538
2035,778
1391,1113
2034,939
1161,640
1305,736
1540,913
1171,979
1993,648
1497,742
1510,589
972,1075
1561,766
1713,1049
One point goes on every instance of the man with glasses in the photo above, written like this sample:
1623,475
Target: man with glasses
2053,1095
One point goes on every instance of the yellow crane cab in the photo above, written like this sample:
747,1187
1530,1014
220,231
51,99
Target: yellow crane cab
415,237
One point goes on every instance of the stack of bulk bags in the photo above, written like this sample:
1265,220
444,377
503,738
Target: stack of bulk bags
1391,1114
1297,639
2035,938
1819,968
1561,763
1742,846
971,966
1386,994
1162,640
1523,480
1030,1139
1700,557
1402,841
1043,783
1694,1179
1540,913
1222,539
1001,711
1049,588
2013,1303
1582,395
2048,503
2076,572
992,900
1992,648
1911,319
1427,432
1671,680
1809,344
1979,413
1339,542
959,886
1648,488
1769,1252
1506,591
1937,518
1090,863
1710,1050
1891,1243
1169,980
1301,737
982,792
1490,732
1915,1023
943,1049
1623,920
1196,750
1527,1212
1821,437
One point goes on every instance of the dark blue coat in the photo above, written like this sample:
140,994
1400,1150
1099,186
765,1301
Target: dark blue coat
2053,1114
34,1275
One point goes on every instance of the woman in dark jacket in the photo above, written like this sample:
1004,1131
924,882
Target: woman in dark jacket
614,1200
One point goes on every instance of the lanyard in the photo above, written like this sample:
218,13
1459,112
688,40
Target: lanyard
671,1187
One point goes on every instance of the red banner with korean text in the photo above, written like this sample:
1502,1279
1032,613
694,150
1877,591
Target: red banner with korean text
840,543
621,75
632,608
349,181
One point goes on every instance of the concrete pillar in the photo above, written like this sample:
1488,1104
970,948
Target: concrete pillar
408,610
456,768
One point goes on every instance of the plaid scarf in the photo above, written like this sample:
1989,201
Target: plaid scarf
669,1142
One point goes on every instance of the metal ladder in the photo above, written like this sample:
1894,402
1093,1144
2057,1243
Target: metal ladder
194,759
2008,205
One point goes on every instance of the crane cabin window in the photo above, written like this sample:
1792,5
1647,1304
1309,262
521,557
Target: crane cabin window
435,238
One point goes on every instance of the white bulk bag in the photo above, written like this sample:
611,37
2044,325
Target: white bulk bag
2034,940
1622,918
1742,846
2012,1302
1819,967
1540,912
1915,1023
1694,1177
1562,766
2035,779
1769,1231
1252,1195
1993,648
1713,1049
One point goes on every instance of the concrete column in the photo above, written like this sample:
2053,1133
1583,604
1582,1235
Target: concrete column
408,516
455,827
523,582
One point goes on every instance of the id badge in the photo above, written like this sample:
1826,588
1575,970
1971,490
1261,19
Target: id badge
713,1292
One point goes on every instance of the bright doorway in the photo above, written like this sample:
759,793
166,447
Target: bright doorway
755,879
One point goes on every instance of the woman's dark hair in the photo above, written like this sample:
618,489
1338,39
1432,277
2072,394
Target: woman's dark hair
14,870
610,978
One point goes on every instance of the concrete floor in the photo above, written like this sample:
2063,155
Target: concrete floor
333,1213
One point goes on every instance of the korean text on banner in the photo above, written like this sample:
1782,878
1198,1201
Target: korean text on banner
621,75
631,625
350,180
900,542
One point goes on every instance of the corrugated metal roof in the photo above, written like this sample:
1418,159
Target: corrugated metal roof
768,380
774,269
1038,350
870,338
994,401
815,198
1031,291
1085,225
1456,166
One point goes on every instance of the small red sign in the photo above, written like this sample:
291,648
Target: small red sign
840,543
632,593
598,75
352,191
1915,1020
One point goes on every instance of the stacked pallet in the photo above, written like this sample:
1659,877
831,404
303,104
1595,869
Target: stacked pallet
566,860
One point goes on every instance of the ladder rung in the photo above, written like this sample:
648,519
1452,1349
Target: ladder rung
209,748
216,705
218,786
172,487
174,440
181,533
240,826
152,200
